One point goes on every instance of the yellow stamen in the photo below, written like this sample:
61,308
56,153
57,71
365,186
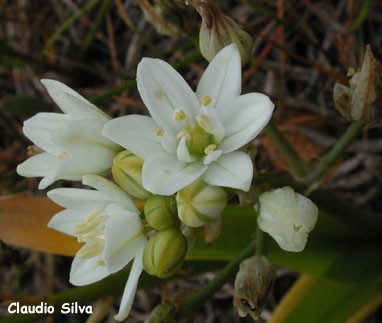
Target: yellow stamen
159,132
182,133
209,148
90,251
63,155
179,115
205,100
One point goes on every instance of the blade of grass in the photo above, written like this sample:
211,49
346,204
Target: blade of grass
67,23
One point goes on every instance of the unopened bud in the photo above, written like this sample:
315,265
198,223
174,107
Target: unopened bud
253,284
362,100
200,203
160,212
165,252
218,31
127,173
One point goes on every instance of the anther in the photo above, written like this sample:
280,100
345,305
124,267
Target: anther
205,100
179,115
209,149
159,132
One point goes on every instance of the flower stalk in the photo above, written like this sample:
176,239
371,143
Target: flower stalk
335,152
296,165
198,299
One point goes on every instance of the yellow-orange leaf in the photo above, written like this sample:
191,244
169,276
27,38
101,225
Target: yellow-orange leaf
23,223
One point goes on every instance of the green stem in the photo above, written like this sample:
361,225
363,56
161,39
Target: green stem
296,165
329,159
198,299
261,245
96,25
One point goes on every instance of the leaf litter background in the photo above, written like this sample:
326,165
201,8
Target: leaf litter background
301,48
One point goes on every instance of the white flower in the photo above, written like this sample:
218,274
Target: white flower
107,221
287,216
72,142
192,135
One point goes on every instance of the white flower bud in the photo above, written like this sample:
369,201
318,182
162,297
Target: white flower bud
287,216
127,172
200,203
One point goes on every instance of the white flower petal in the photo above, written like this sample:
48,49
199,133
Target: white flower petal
131,286
182,152
222,79
41,165
123,237
66,220
110,190
164,174
40,128
71,102
231,170
86,271
212,156
136,133
79,199
83,142
211,126
243,119
169,142
163,90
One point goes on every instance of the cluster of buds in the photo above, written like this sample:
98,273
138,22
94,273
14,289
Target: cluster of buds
196,205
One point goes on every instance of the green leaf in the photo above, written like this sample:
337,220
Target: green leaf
330,240
350,283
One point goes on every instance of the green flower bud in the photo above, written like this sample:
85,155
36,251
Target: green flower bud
218,31
160,212
127,173
253,284
164,252
200,203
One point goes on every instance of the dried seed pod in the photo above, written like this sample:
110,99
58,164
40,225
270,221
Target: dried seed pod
362,99
253,283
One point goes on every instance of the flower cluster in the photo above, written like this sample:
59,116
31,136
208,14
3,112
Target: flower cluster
177,163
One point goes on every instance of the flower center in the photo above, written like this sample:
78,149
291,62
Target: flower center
90,231
198,141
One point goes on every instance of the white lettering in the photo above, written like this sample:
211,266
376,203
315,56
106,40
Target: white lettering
10,308
75,308
65,308
42,308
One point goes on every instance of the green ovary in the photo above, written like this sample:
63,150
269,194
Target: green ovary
198,140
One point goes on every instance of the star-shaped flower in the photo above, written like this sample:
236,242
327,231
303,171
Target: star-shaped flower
191,135
107,221
72,142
